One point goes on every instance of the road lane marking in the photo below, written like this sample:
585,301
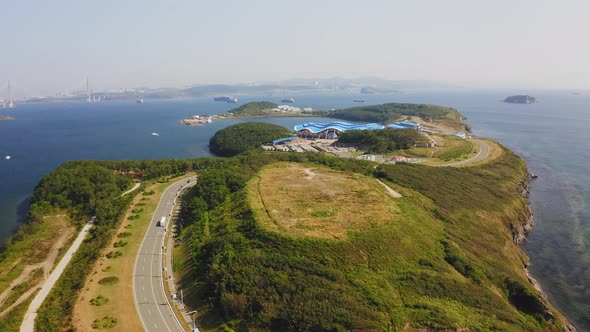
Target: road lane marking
155,234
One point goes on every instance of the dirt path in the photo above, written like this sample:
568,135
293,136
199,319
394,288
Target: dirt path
29,320
392,192
137,184
46,265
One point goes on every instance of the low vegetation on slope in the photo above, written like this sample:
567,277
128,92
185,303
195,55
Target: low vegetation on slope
381,141
443,259
241,137
253,108
453,148
391,112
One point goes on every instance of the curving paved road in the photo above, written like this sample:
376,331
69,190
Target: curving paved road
483,151
151,302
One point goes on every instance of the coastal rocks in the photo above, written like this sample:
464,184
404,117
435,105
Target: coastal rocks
566,326
520,99
520,231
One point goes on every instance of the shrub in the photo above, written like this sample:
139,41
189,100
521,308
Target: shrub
104,323
120,244
99,300
114,254
108,281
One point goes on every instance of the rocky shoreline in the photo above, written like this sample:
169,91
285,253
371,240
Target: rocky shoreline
519,236
519,232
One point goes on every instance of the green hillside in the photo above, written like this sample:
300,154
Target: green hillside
382,141
253,108
241,137
391,112
269,245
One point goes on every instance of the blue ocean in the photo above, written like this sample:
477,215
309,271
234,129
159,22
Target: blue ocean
550,135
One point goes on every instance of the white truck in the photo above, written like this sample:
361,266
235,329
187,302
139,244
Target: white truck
161,223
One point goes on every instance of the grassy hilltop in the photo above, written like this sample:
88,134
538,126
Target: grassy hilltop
279,241
384,113
391,112
255,108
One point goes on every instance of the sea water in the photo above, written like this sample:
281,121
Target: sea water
552,136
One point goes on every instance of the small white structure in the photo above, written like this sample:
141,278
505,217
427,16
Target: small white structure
369,157
288,108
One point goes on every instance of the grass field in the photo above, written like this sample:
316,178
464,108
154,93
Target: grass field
454,148
319,202
119,297
27,263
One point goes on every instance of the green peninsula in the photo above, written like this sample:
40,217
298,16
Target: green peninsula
308,242
384,113
390,112
254,108
282,241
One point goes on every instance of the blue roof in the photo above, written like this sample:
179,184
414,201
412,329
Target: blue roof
340,126
394,126
405,124
281,140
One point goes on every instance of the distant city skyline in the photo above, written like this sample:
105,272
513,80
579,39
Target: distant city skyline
52,47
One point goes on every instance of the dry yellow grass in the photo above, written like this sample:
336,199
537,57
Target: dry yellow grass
121,299
319,202
39,251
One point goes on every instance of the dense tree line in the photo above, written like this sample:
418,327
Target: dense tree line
241,137
390,112
85,189
381,141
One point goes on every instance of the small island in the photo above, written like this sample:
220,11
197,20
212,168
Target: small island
368,90
520,99
255,109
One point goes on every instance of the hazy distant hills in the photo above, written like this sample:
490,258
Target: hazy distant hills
365,85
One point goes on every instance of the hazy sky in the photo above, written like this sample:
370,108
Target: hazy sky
49,46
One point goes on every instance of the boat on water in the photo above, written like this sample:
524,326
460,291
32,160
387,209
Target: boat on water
288,100
155,134
358,100
227,99
139,100
7,157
